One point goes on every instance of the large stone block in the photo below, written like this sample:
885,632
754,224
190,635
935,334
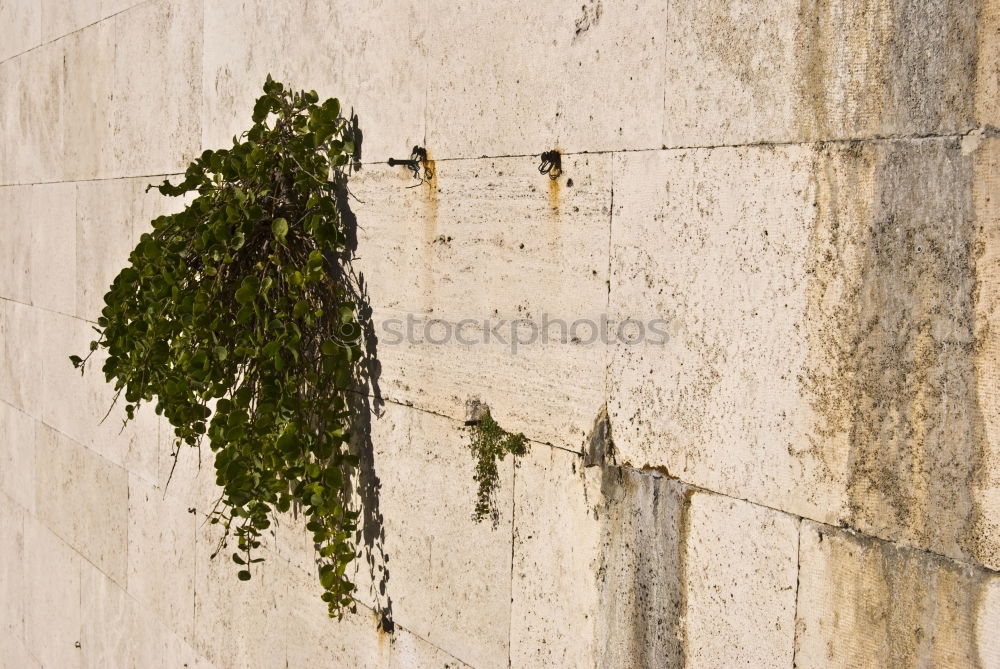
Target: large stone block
31,108
865,602
40,228
641,579
584,76
118,631
112,7
82,406
13,653
17,224
791,71
827,333
237,623
53,622
739,569
89,99
12,584
17,456
368,54
313,638
158,56
51,218
161,555
490,241
555,604
83,498
111,216
616,567
446,576
20,363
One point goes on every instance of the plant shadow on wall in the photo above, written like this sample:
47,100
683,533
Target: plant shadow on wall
242,319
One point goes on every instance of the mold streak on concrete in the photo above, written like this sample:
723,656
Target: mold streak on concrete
640,573
895,272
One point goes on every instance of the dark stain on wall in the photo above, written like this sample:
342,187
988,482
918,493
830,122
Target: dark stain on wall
893,315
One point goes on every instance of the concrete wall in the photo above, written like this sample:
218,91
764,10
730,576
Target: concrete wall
807,473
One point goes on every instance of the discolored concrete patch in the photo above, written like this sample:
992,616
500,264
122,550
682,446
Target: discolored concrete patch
833,346
865,602
895,338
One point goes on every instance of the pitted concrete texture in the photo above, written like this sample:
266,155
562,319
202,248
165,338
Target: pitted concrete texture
828,351
803,196
482,258
861,600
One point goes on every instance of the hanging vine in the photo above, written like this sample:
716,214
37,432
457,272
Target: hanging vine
234,316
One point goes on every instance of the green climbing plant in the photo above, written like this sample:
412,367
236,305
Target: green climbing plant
490,445
235,317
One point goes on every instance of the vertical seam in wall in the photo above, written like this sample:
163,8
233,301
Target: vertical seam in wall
798,580
513,530
427,69
607,304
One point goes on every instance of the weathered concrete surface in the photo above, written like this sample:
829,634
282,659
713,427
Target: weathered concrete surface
793,71
17,456
53,621
555,598
158,62
448,576
832,372
368,54
832,355
59,18
489,240
864,602
20,27
542,80
83,499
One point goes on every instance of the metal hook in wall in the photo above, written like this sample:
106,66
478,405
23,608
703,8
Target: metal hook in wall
551,164
416,161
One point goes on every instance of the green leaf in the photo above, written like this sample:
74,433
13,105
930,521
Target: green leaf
279,227
223,302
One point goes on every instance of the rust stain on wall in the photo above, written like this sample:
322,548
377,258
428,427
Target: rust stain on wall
430,200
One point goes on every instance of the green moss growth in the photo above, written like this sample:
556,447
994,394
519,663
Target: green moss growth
490,445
